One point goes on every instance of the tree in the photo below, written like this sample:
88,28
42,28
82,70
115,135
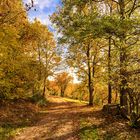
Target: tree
62,80
76,35
118,23
28,52
12,54
43,49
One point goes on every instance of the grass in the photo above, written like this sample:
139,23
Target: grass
8,132
75,101
10,129
16,115
88,131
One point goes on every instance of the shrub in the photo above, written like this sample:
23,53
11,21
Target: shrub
39,99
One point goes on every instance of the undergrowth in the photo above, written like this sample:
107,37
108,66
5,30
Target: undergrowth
39,99
88,131
8,132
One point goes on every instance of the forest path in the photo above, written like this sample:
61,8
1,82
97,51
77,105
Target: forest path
60,120
65,119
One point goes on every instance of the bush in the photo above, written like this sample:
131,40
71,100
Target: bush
38,99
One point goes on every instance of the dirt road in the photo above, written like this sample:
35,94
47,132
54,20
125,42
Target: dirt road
66,120
60,121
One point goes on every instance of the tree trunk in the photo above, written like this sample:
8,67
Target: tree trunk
91,96
90,84
137,106
123,81
116,95
109,73
123,59
44,88
33,89
62,92
39,58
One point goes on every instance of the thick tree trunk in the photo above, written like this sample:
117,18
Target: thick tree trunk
123,81
123,59
123,77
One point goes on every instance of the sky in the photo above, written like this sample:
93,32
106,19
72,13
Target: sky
44,8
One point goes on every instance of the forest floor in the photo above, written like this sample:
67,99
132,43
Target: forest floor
62,119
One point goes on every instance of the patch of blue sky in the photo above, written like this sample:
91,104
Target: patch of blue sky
44,8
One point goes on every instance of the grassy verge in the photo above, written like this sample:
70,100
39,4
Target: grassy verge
8,132
75,101
10,129
16,115
39,100
88,131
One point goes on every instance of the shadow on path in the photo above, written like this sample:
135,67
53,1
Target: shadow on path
62,120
